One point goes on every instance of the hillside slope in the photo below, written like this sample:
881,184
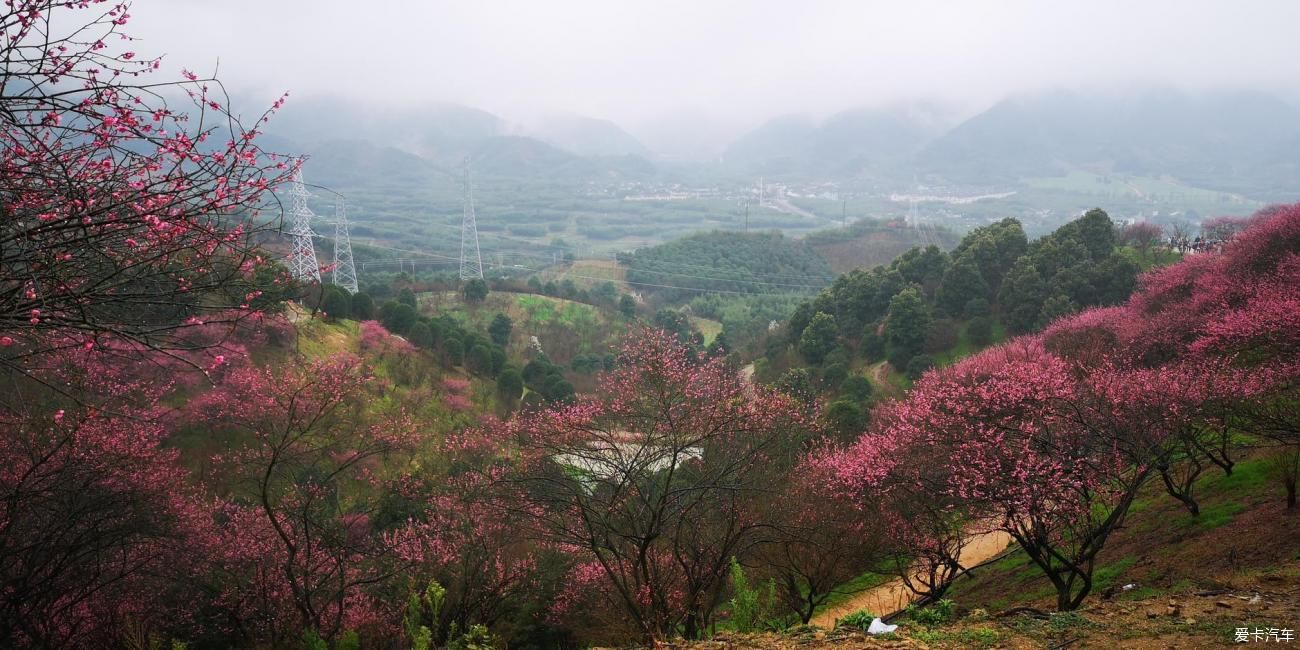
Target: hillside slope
1166,580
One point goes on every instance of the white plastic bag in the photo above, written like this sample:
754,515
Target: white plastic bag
879,627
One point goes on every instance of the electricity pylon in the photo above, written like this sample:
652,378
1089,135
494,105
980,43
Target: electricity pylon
345,271
471,262
302,262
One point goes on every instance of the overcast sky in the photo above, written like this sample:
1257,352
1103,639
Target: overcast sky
738,59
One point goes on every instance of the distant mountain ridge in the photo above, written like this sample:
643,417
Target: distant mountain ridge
1235,141
852,142
443,135
585,136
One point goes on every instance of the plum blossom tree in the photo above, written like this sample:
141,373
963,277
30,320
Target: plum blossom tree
300,551
820,540
1035,446
479,552
656,482
121,217
96,518
1142,235
924,527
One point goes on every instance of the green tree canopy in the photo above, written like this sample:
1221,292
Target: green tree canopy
336,303
819,338
908,324
476,290
499,329
363,306
510,384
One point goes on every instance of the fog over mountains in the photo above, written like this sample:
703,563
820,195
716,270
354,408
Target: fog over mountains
1235,141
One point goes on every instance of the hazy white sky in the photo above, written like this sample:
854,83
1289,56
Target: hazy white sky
630,61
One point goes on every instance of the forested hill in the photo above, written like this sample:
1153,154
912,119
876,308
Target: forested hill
926,301
747,263
873,242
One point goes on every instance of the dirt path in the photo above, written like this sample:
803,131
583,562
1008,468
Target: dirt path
880,377
894,595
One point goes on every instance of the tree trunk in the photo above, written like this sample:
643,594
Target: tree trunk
1183,489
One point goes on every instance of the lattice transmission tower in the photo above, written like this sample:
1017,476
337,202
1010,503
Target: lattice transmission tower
302,261
345,270
471,261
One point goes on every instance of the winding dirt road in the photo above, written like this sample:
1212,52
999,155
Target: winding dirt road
894,595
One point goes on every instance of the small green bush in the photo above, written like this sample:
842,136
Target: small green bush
860,619
752,608
935,613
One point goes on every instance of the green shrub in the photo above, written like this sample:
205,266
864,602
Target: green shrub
935,613
846,416
860,619
856,387
476,637
834,374
917,365
751,608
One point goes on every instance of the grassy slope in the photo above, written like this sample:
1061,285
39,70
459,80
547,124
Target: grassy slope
565,328
412,384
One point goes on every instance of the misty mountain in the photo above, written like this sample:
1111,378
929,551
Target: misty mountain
846,144
585,136
1235,141
321,118
1241,142
389,142
687,135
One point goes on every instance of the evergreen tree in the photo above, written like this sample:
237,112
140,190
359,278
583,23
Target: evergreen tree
846,417
962,283
856,387
476,290
819,338
719,347
980,330
1055,307
1094,230
453,351
627,305
499,329
363,306
908,325
336,303
510,384
797,383
873,345
421,335
397,317
1022,297
479,359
